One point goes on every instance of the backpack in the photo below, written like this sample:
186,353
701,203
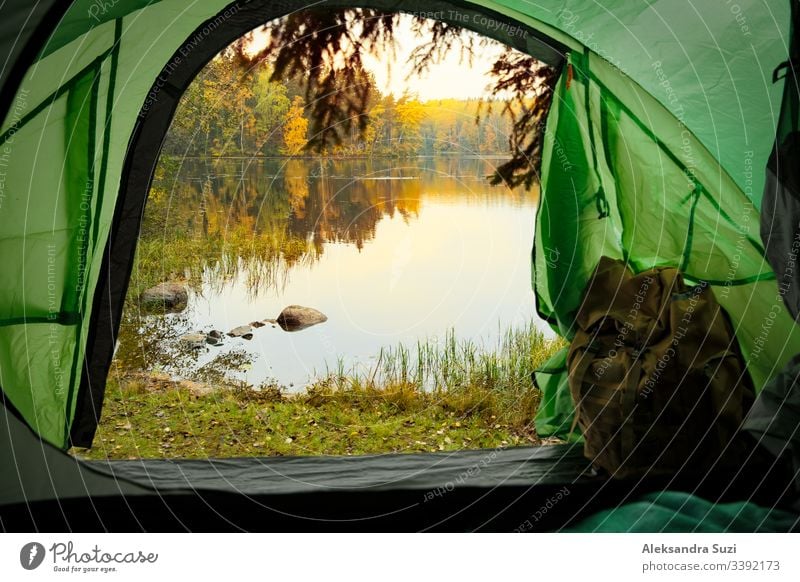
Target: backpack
655,374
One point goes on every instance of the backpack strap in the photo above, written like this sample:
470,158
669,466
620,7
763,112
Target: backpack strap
718,357
628,401
579,373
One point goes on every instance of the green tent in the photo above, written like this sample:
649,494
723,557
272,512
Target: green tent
663,120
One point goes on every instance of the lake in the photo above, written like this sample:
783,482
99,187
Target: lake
390,250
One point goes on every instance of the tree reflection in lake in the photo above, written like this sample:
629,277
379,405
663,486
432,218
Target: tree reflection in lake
389,250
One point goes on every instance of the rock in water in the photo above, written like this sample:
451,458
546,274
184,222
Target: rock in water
194,340
243,331
297,317
165,297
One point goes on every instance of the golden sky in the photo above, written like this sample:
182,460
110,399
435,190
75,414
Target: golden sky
449,78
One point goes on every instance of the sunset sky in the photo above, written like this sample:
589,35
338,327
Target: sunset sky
448,78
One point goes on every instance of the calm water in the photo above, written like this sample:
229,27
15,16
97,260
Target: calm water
391,251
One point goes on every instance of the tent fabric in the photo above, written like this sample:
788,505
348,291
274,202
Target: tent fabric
678,512
780,217
620,178
556,412
34,470
103,69
712,72
654,152
775,419
434,472
22,29
625,191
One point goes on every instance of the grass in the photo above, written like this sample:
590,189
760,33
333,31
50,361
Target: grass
494,383
434,397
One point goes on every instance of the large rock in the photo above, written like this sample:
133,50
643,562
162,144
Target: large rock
297,317
165,297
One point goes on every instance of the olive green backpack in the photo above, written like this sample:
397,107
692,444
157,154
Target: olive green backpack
655,373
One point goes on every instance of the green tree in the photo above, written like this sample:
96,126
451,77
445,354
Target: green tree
271,107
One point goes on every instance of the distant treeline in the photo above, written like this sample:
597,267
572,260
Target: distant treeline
229,110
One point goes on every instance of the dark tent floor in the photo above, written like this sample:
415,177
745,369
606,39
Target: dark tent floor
524,489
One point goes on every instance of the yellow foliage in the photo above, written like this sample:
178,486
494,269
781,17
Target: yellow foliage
295,130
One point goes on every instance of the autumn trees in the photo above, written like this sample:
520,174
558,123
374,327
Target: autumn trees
295,129
236,110
230,110
327,48
307,92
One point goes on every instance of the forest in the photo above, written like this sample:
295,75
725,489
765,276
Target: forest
234,109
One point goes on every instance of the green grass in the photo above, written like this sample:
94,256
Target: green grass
435,397
494,383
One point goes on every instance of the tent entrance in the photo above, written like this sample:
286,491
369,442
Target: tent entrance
74,88
152,124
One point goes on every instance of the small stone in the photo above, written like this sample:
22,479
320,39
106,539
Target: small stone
194,340
257,324
167,297
241,331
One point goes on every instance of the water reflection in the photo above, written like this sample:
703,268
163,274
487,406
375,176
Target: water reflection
390,251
